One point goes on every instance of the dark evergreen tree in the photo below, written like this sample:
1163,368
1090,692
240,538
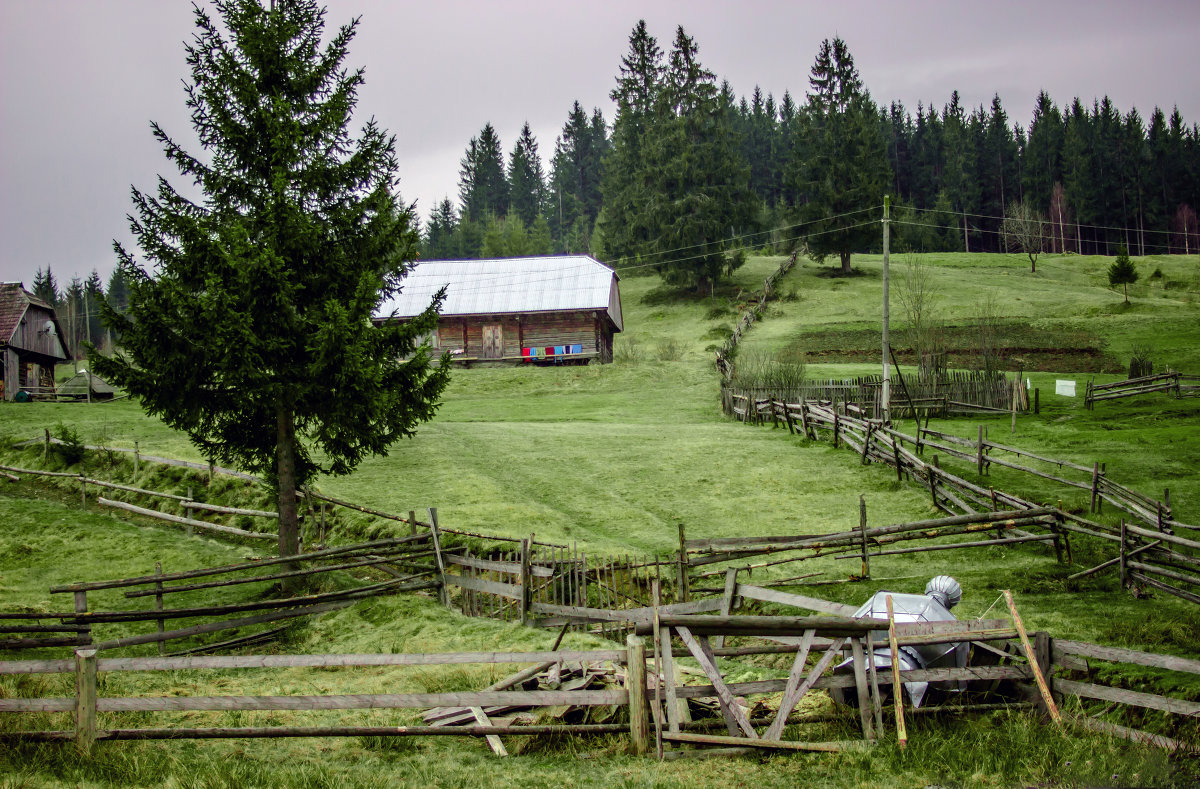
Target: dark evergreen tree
482,184
698,186
45,287
441,240
1122,272
1042,165
574,197
624,185
253,330
526,179
840,165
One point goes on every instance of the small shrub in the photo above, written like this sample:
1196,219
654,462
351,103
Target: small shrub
1157,273
71,450
717,312
791,295
627,351
670,351
720,332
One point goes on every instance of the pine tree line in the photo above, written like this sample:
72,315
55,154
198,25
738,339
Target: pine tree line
687,170
78,306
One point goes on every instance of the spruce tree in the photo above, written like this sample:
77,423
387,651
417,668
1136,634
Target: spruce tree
252,331
526,181
45,287
839,164
624,182
1122,272
697,184
483,186
440,233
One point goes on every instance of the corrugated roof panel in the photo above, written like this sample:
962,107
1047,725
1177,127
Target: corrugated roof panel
506,285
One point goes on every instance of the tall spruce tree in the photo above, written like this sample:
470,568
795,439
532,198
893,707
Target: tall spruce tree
253,331
45,287
482,185
440,242
839,164
639,82
526,180
698,185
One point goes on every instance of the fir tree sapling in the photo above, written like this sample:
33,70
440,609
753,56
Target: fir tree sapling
1122,272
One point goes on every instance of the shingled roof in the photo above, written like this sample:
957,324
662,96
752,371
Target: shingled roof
14,300
509,286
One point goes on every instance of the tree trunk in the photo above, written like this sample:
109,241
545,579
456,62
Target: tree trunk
845,263
285,469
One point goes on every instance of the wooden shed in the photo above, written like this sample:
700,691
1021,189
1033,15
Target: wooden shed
541,310
31,342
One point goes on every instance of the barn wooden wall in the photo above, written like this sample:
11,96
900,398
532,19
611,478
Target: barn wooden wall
589,329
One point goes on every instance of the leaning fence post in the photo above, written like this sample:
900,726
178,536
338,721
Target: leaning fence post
979,453
443,592
85,699
137,458
82,490
1095,483
727,600
862,533
46,448
1122,554
635,683
187,511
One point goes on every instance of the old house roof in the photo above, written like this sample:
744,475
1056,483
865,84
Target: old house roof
509,285
14,302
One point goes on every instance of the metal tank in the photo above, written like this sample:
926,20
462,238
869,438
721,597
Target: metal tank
941,594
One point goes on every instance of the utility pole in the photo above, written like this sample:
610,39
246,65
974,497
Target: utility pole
887,377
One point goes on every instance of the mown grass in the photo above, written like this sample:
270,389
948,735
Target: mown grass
614,458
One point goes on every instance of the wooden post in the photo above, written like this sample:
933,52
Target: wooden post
137,458
899,463
979,453
1015,388
322,535
1037,405
862,531
210,472
1095,484
835,428
635,684
860,685
443,591
187,512
526,547
158,606
867,443
727,600
82,490
682,579
46,448
412,522
1038,676
897,687
1123,575
85,699
81,607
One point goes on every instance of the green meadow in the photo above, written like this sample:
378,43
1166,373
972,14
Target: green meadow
614,458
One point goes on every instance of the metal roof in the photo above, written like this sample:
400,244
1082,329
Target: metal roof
509,285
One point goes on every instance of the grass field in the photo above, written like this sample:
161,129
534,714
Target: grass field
615,457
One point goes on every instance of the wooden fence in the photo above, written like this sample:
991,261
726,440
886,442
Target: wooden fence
1163,382
408,560
876,441
956,393
724,353
1051,669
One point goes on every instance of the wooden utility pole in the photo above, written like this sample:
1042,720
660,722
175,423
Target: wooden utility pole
887,376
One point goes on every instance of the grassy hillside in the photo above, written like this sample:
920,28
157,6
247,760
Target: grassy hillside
614,457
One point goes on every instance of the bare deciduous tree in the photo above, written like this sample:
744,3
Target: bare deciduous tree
1025,228
918,296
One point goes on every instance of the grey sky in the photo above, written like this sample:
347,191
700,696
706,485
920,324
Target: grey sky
81,79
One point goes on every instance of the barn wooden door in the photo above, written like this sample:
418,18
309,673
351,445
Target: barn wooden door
493,342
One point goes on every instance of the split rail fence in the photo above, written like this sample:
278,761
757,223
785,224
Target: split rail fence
1038,666
1173,382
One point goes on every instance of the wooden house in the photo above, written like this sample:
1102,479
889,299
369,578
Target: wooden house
31,342
543,310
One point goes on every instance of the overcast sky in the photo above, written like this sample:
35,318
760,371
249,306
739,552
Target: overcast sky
80,80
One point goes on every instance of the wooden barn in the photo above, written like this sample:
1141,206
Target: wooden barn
31,342
543,310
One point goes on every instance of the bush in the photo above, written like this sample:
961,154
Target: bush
71,450
627,351
670,351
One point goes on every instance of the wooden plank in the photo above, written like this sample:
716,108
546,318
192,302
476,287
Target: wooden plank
665,665
729,705
1039,678
1132,697
711,739
859,662
968,674
496,566
894,649
543,659
643,615
163,516
523,698
493,740
795,689
497,588
796,600
1121,655
771,625
1133,735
